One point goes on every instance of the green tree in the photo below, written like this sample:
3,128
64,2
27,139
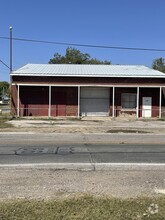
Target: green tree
158,64
74,56
4,89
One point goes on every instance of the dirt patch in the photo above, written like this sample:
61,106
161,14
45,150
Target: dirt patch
45,184
128,131
85,126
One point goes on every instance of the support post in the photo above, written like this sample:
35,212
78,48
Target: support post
113,103
160,103
137,103
18,102
50,101
78,109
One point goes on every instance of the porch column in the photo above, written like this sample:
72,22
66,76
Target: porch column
50,102
78,109
113,103
160,103
137,103
18,102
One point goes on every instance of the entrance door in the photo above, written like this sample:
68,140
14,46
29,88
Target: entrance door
146,107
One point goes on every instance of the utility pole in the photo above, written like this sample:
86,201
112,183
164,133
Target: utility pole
11,55
11,64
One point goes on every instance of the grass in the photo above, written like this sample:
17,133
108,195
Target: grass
161,119
86,207
3,122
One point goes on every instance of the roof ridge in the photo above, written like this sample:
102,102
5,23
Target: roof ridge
71,64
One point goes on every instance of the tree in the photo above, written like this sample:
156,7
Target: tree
158,64
4,89
74,56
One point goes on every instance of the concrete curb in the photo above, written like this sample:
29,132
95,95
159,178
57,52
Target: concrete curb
87,166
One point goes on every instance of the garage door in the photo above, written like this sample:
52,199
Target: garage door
94,101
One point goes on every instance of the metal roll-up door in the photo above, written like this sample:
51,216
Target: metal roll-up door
94,101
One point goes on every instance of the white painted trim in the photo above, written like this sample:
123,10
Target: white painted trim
18,101
89,85
50,100
89,166
160,103
137,107
113,102
92,76
78,110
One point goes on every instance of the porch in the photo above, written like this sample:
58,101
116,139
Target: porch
88,100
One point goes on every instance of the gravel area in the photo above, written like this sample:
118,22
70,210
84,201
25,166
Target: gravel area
87,125
45,184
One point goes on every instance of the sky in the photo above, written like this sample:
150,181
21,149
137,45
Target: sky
118,23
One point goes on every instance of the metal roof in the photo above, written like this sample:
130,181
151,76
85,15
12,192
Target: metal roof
81,70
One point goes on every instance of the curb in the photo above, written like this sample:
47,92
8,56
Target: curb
87,166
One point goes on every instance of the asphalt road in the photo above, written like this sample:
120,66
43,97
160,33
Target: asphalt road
46,148
34,165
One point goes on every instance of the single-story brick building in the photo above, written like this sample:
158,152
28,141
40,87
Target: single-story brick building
87,90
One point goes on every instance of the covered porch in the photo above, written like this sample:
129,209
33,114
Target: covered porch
88,100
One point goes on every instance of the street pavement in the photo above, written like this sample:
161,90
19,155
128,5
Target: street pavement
52,165
85,149
23,138
42,163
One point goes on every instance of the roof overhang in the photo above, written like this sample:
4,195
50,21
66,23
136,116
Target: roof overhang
91,76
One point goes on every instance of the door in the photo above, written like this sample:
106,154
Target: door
146,107
95,101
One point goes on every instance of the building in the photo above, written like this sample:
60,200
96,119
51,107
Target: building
87,90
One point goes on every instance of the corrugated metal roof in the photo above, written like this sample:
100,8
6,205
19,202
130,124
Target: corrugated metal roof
73,70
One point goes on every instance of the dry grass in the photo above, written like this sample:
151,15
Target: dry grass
85,207
3,122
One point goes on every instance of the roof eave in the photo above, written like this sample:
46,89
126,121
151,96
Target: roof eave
94,76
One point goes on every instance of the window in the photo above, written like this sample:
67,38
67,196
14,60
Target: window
128,100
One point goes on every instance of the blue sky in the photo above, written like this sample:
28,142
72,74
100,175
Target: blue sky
125,23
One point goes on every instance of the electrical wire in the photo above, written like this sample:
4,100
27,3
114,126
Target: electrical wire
84,45
4,64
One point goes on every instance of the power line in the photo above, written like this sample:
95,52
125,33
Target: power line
4,64
85,45
2,67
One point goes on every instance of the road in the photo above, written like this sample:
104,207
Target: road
50,165
53,148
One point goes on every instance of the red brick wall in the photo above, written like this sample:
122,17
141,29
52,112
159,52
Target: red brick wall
13,100
34,101
64,101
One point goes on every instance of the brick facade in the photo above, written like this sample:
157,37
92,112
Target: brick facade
34,98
